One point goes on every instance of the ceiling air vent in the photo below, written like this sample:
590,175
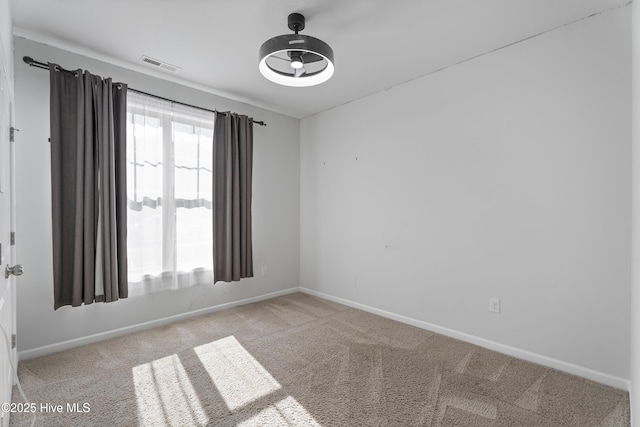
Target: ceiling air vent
159,64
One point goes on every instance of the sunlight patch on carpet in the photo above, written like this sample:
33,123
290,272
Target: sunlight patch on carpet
165,395
239,378
287,412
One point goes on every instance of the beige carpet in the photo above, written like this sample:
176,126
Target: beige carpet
298,360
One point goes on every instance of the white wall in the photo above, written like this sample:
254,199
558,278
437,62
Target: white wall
507,176
275,210
634,392
6,36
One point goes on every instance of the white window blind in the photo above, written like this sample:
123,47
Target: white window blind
169,190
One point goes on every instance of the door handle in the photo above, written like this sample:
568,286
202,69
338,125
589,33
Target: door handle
16,270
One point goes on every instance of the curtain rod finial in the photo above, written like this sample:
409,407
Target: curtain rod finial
28,60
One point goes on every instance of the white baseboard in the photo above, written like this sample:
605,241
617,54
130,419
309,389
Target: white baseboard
570,368
600,377
76,342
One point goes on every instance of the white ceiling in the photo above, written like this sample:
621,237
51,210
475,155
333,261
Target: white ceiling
377,43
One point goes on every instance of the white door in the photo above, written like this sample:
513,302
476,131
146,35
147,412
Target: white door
7,289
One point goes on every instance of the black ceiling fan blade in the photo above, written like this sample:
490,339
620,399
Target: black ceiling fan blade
310,57
280,56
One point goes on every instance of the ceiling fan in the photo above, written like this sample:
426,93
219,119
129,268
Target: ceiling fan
295,59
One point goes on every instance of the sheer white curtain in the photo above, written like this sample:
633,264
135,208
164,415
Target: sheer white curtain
169,180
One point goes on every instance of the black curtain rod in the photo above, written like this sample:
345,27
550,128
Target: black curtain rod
33,63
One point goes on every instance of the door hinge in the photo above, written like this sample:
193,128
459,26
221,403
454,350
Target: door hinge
13,238
12,134
14,341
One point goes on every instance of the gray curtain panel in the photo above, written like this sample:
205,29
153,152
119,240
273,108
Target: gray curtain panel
232,175
88,184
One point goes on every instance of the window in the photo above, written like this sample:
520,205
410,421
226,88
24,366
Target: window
169,190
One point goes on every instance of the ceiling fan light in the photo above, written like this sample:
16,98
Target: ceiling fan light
291,80
296,62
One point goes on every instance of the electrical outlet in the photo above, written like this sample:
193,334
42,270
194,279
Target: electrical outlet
494,305
264,271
